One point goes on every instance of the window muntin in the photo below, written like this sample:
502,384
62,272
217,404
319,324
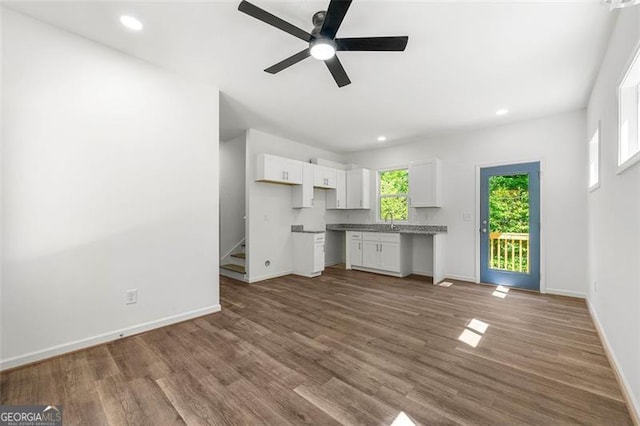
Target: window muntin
393,195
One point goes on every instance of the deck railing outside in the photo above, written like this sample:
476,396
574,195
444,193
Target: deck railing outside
509,251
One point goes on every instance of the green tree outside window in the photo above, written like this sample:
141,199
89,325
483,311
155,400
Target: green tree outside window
394,199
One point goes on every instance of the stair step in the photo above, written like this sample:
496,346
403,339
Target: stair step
235,268
239,255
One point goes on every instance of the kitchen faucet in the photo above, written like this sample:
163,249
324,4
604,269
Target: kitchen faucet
390,214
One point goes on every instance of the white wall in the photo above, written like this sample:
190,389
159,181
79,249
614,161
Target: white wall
269,211
232,193
614,215
110,182
557,141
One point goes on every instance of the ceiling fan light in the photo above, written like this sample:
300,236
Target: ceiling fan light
617,4
323,49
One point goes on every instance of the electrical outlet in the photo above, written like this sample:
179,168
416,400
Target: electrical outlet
131,297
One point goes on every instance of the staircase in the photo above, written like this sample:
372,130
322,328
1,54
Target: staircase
234,264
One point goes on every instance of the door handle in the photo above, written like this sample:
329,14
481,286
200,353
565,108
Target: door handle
483,230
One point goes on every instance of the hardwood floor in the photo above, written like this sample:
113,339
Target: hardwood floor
344,348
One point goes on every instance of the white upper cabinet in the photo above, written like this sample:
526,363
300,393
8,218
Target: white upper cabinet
324,177
302,195
337,198
271,168
425,183
359,189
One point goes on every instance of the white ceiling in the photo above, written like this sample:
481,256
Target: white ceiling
464,60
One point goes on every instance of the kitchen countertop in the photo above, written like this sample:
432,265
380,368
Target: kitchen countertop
300,228
383,227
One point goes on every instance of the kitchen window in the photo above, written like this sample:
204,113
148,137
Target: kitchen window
393,195
629,115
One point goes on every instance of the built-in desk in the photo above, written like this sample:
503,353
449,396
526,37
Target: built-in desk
386,249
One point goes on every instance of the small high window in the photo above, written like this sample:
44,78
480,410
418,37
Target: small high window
629,115
594,160
393,195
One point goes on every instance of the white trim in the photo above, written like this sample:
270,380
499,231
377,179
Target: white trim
570,293
269,276
634,159
423,273
460,278
633,404
104,338
543,218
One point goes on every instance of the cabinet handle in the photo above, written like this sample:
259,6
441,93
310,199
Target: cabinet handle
338,203
359,246
360,203
287,175
283,175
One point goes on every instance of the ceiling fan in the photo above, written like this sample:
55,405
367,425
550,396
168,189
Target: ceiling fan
322,40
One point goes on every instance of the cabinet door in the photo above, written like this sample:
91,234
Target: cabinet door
425,183
270,168
358,186
355,253
337,198
370,254
302,195
390,257
324,177
318,258
293,171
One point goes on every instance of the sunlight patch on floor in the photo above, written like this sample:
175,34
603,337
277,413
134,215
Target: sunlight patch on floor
402,420
477,325
470,338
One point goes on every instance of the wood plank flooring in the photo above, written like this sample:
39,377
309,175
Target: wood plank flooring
344,348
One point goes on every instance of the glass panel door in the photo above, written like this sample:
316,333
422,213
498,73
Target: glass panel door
510,225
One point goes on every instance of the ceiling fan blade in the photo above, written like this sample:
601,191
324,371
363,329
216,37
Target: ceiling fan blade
337,71
380,44
273,20
335,14
291,60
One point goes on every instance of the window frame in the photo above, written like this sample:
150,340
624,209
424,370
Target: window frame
380,196
597,136
635,157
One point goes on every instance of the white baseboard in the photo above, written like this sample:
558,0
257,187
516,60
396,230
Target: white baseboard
569,293
461,278
269,276
423,273
103,338
632,402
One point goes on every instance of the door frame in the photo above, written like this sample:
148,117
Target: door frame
543,215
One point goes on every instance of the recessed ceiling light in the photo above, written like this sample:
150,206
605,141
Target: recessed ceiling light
502,111
131,23
382,138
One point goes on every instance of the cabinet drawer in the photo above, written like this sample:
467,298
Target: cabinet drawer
381,237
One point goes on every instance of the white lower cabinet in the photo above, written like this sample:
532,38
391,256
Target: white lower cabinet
308,253
386,253
355,248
